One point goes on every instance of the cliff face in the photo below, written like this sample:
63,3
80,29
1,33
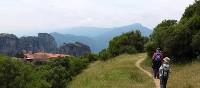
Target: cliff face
11,45
8,44
75,49
28,44
47,42
44,42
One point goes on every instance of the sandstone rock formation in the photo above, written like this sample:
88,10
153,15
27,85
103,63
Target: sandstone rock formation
44,42
11,45
75,49
8,44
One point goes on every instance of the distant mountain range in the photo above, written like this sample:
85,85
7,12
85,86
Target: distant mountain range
69,38
96,38
85,31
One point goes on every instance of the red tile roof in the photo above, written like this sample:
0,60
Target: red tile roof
41,55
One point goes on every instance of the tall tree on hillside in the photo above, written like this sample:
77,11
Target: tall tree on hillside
178,40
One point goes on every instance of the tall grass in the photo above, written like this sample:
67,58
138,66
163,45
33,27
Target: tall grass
119,72
182,75
185,75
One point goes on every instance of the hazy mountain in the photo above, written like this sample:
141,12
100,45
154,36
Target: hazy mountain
96,38
103,40
85,31
69,38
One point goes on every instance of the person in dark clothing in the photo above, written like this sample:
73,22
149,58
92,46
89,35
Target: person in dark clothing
157,59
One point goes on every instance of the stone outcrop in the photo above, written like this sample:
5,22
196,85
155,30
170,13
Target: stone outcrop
75,49
8,44
44,42
11,45
47,41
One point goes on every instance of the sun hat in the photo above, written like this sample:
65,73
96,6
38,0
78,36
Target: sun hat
166,59
158,48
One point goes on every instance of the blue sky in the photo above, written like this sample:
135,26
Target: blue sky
28,16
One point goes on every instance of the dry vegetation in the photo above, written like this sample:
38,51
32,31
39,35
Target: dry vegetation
185,76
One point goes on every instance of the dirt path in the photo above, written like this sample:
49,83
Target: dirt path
156,81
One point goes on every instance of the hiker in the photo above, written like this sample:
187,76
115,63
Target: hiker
164,72
156,62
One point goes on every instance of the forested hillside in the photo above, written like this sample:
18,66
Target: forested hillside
178,39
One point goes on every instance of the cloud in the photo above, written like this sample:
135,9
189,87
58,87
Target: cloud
48,15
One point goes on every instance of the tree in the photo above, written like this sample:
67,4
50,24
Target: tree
178,40
16,74
20,55
130,42
59,77
104,54
196,43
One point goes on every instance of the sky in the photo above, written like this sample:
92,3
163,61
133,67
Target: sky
31,16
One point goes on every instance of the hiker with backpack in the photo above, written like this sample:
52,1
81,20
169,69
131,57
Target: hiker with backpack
164,72
157,59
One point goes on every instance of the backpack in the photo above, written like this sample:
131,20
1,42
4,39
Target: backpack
158,57
165,71
157,61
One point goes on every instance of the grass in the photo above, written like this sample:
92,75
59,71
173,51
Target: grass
185,76
119,72
182,75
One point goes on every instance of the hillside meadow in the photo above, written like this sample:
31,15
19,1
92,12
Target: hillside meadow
119,72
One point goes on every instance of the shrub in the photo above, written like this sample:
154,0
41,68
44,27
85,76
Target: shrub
16,74
104,54
130,42
91,57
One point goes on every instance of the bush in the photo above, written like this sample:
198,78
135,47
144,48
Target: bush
91,57
104,54
131,50
59,77
130,42
20,55
76,65
57,73
16,74
150,48
196,43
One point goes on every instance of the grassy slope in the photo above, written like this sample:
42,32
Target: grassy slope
181,76
119,72
185,76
